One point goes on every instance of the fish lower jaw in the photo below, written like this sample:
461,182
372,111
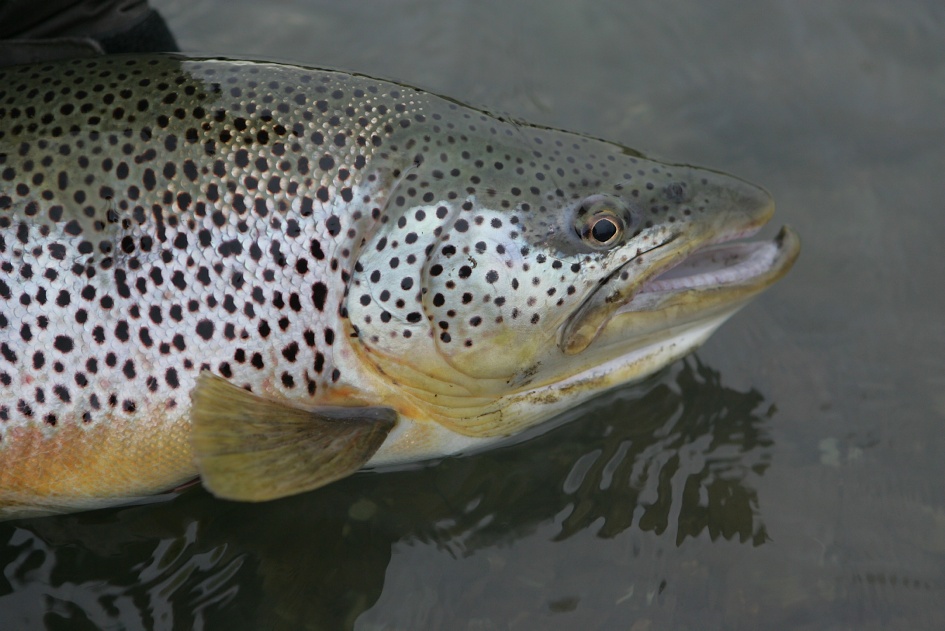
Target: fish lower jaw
414,441
644,358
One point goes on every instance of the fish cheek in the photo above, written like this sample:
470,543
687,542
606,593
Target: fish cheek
473,306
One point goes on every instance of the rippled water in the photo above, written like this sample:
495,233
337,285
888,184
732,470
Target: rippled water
787,477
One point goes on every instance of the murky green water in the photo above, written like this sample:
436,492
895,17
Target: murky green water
788,477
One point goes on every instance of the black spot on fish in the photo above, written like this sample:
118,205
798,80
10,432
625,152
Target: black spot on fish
333,225
205,329
62,343
319,294
170,377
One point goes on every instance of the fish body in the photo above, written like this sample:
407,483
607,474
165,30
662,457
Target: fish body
197,255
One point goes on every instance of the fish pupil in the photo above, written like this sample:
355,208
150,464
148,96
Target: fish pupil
604,230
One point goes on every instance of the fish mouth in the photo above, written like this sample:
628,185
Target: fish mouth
722,265
688,281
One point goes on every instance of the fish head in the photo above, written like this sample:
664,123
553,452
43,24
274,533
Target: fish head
543,265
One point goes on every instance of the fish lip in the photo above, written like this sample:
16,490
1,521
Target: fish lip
740,260
648,294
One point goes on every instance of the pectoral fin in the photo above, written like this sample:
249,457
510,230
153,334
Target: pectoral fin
253,449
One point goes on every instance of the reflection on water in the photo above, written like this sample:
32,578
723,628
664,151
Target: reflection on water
710,440
676,457
683,446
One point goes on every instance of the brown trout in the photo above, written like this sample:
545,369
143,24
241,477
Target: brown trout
273,276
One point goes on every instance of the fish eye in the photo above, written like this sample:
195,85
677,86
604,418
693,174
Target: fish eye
601,221
604,228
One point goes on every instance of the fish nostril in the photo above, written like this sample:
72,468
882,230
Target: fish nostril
675,192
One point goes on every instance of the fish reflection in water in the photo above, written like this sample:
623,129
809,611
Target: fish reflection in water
675,456
682,444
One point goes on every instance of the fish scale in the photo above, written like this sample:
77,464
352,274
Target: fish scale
310,236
